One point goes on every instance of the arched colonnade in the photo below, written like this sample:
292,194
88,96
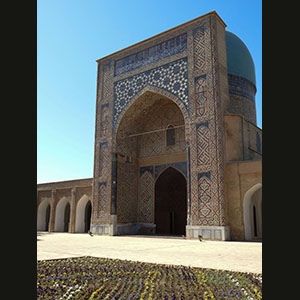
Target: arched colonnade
64,210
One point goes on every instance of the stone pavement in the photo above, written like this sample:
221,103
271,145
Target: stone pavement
226,255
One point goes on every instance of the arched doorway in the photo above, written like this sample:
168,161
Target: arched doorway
67,217
62,215
252,211
87,216
170,203
83,214
47,217
43,216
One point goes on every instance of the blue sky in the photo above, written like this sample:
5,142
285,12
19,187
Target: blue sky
73,34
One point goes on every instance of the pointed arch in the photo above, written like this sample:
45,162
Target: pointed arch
43,215
170,207
82,214
252,213
62,215
166,167
154,90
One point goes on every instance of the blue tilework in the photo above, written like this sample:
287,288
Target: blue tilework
181,166
150,55
103,144
104,105
172,77
202,124
101,183
206,174
144,169
241,86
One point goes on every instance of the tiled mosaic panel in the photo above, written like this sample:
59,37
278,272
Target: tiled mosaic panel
146,199
199,48
202,47
149,117
205,205
180,166
218,174
150,55
104,159
103,207
172,77
104,122
203,144
202,110
106,82
161,115
127,193
207,135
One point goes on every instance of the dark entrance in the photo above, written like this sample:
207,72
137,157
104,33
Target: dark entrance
87,216
47,217
170,203
67,217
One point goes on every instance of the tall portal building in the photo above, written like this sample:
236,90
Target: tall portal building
177,149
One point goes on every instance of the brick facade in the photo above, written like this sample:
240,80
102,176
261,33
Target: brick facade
179,79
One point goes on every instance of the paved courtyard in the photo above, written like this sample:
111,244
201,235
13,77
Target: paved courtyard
229,255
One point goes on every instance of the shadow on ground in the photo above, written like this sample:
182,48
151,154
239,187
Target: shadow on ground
42,233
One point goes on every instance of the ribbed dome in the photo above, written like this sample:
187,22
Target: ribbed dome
239,60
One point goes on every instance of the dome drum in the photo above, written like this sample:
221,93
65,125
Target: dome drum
239,85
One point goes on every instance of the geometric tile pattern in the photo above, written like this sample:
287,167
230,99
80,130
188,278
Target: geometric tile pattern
126,193
199,48
201,96
102,200
153,54
172,77
161,115
207,135
104,159
203,144
146,199
104,123
180,166
204,187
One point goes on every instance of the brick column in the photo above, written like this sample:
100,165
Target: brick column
188,178
114,184
113,209
72,210
52,211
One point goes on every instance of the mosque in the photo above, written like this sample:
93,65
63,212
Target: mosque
177,150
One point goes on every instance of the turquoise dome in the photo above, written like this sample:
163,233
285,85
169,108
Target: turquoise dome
239,60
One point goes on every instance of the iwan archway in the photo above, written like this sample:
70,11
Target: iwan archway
149,137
